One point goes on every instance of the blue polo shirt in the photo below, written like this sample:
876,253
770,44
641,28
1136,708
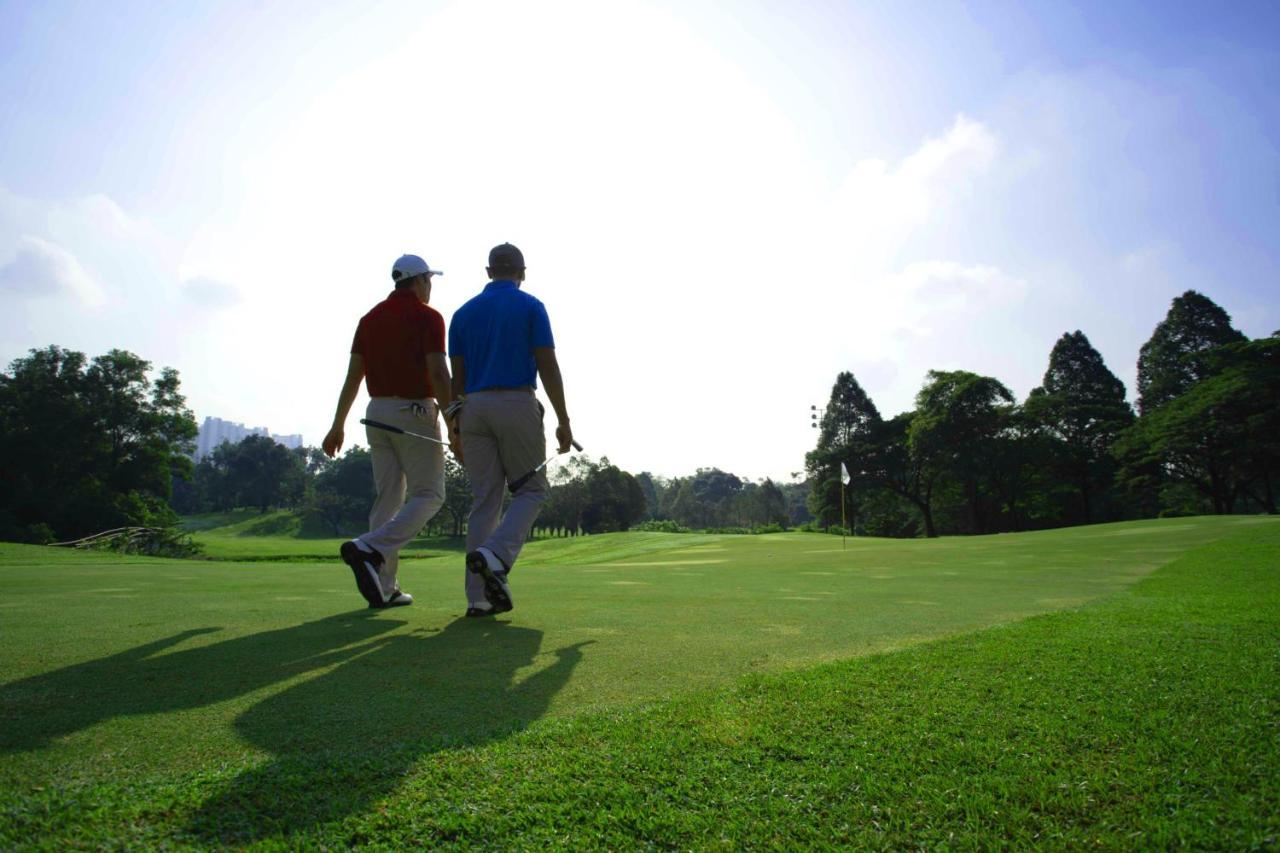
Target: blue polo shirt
495,334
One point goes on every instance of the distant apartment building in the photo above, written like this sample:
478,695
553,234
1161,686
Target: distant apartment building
215,431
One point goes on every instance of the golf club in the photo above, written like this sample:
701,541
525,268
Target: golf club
390,428
515,485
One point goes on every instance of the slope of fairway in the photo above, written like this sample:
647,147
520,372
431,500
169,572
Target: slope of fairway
249,535
163,679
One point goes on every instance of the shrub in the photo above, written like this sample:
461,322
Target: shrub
665,525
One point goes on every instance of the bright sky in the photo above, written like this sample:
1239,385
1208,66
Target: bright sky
722,204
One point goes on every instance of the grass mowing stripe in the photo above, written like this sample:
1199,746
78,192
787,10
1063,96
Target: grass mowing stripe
1149,719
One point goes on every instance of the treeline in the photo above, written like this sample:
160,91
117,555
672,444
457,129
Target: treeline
597,497
96,444
332,496
970,459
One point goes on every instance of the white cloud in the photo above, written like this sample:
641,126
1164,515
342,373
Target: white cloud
44,269
879,207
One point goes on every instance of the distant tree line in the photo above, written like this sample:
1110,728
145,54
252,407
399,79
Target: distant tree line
96,444
970,459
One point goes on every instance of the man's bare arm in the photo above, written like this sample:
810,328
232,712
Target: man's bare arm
459,375
350,387
553,384
442,385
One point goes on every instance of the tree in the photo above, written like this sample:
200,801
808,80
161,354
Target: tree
706,499
1173,359
1081,404
769,504
960,417
89,445
567,501
1219,437
614,500
888,460
848,426
343,493
457,494
652,488
257,471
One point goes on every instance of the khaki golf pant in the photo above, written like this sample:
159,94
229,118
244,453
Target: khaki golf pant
408,474
502,440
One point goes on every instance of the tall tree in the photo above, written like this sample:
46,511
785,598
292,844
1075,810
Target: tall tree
1081,404
848,424
960,418
1174,359
1220,437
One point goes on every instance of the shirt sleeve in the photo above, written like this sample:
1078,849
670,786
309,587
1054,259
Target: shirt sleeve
357,346
433,334
540,327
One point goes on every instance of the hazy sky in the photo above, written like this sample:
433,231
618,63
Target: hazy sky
722,204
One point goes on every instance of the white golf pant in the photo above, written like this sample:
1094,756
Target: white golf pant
502,440
408,474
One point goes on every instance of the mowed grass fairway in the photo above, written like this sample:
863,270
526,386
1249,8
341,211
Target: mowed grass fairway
1112,684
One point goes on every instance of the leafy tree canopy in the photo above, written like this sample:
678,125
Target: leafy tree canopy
89,445
1173,359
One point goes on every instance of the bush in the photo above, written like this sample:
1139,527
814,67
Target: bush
665,525
769,528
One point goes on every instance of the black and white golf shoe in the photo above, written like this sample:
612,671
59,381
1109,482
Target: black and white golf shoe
496,590
364,565
398,598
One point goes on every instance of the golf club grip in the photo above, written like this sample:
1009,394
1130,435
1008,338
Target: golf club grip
515,485
381,425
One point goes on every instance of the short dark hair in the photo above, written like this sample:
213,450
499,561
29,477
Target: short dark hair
402,283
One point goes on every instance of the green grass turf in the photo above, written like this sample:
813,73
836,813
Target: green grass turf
643,698
247,535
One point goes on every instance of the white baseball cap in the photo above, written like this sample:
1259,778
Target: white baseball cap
407,266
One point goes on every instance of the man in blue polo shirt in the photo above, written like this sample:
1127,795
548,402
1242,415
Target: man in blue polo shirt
499,344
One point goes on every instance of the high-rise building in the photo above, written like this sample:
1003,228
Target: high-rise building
215,431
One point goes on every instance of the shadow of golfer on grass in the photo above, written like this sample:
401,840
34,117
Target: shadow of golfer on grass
151,678
348,738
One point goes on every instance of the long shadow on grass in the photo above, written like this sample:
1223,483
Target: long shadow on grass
347,738
151,679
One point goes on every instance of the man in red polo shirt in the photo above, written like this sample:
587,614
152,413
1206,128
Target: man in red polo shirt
399,351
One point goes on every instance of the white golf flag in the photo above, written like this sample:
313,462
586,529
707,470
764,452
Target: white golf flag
844,474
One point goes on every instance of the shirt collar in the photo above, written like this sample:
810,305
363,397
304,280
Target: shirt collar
403,293
500,284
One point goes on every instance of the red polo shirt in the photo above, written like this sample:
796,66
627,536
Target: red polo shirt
394,340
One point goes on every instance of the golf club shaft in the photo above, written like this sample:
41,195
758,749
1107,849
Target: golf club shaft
515,485
390,428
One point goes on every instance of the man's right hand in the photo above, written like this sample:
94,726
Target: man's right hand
332,442
564,435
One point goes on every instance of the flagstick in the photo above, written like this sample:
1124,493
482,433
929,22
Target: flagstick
843,528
